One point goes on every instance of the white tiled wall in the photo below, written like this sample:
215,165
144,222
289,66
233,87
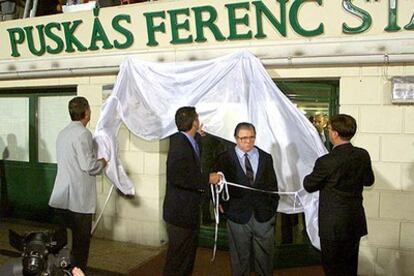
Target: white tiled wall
386,130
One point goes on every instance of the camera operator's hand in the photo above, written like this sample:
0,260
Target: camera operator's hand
77,272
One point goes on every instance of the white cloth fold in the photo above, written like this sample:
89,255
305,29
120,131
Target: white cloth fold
225,91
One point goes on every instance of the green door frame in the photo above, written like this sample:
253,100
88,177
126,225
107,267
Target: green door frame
26,186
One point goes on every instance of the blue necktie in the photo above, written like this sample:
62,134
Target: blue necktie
197,150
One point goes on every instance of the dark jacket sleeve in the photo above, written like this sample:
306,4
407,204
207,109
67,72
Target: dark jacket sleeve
316,180
225,164
271,181
369,178
183,167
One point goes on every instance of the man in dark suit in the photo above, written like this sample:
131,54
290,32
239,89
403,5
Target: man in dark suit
185,184
250,214
340,176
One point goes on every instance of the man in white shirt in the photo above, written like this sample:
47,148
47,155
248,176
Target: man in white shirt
74,191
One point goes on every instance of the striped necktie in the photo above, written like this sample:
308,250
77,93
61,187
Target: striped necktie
249,169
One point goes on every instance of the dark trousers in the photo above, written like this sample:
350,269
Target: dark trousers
182,248
288,222
340,258
80,225
251,241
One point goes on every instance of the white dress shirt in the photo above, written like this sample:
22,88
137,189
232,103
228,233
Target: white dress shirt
75,183
253,158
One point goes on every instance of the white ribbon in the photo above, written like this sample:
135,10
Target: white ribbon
216,190
103,209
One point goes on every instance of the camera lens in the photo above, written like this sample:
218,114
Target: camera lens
33,264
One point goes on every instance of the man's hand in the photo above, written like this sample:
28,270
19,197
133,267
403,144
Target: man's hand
103,161
214,178
201,131
77,272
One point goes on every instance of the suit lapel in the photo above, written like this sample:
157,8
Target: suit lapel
260,167
239,169
236,161
195,156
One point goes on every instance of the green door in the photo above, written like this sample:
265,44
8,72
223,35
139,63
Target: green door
30,121
293,247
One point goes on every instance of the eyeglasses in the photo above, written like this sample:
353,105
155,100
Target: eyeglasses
246,138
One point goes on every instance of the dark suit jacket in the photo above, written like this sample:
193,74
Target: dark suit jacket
243,202
340,176
185,183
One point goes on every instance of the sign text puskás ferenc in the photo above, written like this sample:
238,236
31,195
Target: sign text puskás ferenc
56,37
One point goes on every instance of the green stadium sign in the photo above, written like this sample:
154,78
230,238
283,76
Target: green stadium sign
58,37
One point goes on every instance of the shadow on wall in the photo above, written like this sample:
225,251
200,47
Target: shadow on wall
410,185
394,264
377,260
387,262
367,260
12,151
4,198
119,207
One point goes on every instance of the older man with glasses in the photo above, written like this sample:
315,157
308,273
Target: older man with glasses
250,214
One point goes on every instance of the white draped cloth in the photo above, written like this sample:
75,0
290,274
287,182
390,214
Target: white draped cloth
225,91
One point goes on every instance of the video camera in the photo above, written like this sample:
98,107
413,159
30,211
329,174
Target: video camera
43,254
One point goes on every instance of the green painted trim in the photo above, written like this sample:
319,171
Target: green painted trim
206,237
33,133
294,255
28,184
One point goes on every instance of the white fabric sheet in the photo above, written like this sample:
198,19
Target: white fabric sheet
225,91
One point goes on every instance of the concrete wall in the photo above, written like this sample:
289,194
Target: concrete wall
386,130
135,219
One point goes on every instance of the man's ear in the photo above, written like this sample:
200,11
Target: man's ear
87,114
195,126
